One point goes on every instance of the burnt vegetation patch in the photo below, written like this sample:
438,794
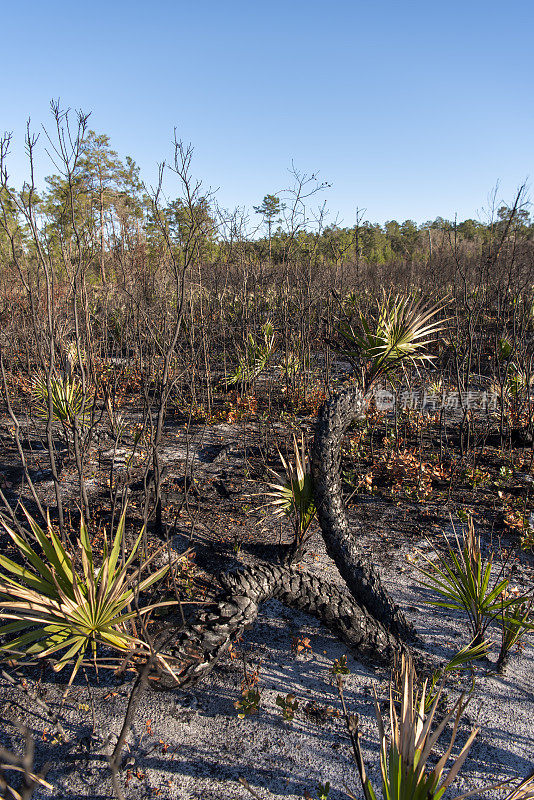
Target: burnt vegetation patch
193,416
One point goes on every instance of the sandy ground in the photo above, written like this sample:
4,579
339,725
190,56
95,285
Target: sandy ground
192,744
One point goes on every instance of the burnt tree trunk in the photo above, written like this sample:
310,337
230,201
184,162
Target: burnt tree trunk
341,538
367,619
200,644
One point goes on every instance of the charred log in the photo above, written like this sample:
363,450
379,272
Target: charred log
201,643
341,538
367,619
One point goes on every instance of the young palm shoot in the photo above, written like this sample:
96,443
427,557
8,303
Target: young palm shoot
516,622
255,358
68,402
292,496
404,327
463,579
405,764
463,660
52,606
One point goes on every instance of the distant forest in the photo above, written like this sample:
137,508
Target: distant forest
193,297
96,209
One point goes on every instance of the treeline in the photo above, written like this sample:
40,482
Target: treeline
96,207
180,285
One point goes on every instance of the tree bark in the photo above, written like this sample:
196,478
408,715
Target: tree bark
202,642
341,539
367,619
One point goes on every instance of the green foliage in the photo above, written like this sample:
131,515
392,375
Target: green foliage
402,329
527,538
404,764
68,402
340,666
254,360
293,497
505,474
504,349
53,606
290,364
462,578
461,661
463,658
99,191
517,380
270,209
187,223
323,790
289,705
249,702
474,476
516,622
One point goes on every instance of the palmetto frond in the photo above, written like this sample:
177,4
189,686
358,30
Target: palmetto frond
292,496
68,401
254,360
404,327
51,605
406,761
463,580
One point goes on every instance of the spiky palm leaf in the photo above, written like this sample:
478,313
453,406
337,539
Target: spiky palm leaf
254,360
403,329
68,402
53,607
462,578
516,621
405,763
293,496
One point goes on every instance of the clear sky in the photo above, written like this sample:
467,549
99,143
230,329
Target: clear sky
409,109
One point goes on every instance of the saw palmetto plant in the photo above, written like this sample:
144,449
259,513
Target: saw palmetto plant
407,763
401,331
68,402
463,580
292,496
516,621
52,605
254,360
461,661
515,382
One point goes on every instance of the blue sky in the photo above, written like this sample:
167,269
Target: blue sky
410,110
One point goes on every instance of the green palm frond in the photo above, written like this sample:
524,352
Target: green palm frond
405,762
68,401
51,605
463,580
462,660
292,496
470,652
403,328
255,358
516,621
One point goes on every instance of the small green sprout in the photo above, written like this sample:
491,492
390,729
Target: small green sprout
340,666
249,703
289,705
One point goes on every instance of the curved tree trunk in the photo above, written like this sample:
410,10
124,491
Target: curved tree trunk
201,643
358,572
367,619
